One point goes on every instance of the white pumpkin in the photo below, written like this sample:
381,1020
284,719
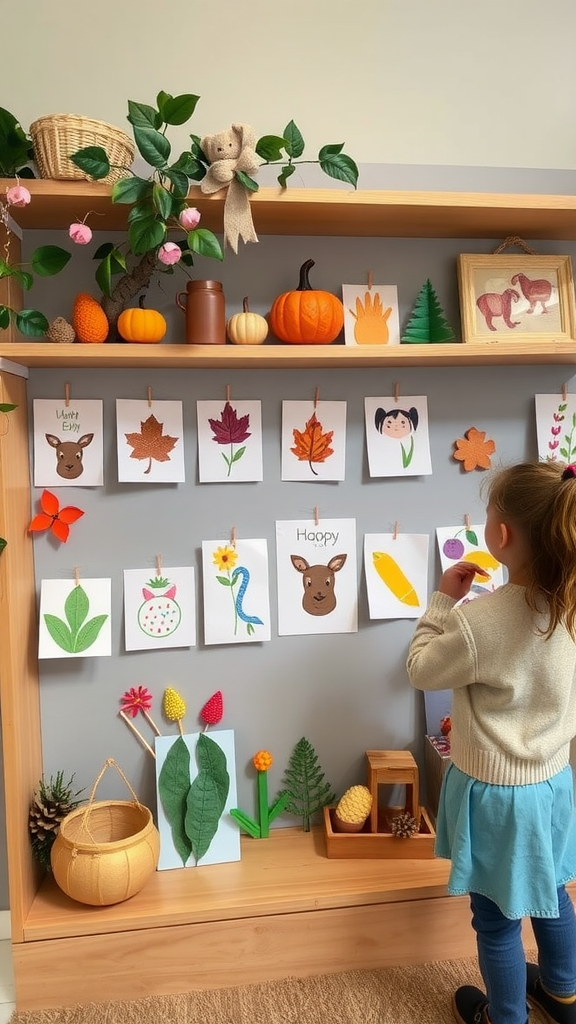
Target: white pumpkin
247,328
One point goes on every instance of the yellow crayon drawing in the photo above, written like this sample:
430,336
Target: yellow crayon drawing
392,575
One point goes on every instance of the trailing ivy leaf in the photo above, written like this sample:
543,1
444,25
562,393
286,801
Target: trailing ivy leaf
112,263
130,190
162,201
26,280
179,181
340,166
4,318
247,181
202,813
60,633
294,143
153,146
6,270
31,323
3,543
211,758
145,235
103,250
286,173
88,633
205,243
173,788
48,260
93,160
76,607
270,147
140,115
177,109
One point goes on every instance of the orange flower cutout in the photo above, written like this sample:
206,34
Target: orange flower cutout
473,451
311,445
54,518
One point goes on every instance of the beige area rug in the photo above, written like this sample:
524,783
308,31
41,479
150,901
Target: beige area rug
393,995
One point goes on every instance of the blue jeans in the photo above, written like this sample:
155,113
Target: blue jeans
503,963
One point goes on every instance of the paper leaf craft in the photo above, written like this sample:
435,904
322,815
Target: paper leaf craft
54,518
311,445
260,829
78,632
427,322
151,443
194,809
304,784
473,451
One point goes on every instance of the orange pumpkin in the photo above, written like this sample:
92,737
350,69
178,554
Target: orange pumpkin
142,326
89,319
307,315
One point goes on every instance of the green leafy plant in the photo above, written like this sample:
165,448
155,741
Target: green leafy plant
286,149
76,634
16,150
46,261
194,809
51,802
304,783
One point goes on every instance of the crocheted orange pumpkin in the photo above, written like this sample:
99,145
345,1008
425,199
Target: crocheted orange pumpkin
89,319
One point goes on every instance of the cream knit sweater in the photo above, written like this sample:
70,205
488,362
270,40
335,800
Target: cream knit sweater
514,701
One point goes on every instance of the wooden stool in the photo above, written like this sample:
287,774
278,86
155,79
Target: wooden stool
390,767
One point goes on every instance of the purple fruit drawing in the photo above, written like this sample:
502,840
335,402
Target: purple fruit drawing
453,548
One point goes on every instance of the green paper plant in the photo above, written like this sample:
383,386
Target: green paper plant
304,784
194,809
427,322
260,829
78,633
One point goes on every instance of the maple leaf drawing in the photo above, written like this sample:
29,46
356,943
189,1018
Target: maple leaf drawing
230,430
311,445
151,443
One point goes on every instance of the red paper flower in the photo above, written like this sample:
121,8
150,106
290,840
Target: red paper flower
213,709
135,700
54,518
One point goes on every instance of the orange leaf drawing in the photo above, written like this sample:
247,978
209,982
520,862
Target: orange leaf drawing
473,451
311,445
151,443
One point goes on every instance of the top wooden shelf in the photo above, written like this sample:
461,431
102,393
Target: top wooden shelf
335,211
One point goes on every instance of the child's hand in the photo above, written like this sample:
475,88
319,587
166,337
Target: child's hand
457,580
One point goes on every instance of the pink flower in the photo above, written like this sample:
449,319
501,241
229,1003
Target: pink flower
557,417
169,253
555,431
80,233
18,196
189,218
553,444
135,700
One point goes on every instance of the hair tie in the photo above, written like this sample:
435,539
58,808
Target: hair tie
569,472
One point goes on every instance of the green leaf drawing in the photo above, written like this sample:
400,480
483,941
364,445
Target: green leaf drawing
202,813
471,537
60,633
76,608
212,759
224,581
173,788
88,633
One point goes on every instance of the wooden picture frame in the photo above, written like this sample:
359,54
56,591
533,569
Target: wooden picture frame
516,298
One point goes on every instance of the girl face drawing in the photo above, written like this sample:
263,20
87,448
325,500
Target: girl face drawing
398,424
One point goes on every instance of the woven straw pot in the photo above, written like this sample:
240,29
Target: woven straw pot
105,852
56,136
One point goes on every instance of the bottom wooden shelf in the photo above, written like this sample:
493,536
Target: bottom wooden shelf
284,910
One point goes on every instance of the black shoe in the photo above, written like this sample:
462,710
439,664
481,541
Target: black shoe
554,1011
469,1005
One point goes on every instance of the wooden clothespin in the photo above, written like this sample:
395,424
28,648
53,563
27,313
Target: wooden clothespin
396,392
466,522
316,397
233,536
76,576
228,393
564,392
316,516
369,280
149,393
396,528
67,393
158,565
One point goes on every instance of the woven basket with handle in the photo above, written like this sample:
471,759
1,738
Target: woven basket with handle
105,851
56,136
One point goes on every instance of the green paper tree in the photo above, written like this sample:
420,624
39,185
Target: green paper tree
427,322
304,783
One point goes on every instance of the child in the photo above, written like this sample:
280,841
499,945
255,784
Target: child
506,817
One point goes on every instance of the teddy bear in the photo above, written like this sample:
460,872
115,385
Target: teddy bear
228,152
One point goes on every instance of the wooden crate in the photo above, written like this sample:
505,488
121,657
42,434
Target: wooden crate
380,844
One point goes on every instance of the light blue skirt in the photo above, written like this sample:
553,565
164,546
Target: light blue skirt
513,844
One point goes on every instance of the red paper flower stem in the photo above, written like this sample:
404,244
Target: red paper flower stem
138,734
151,722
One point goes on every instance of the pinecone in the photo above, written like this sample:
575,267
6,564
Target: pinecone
52,801
61,331
404,826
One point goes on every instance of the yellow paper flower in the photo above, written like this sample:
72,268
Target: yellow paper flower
225,558
262,761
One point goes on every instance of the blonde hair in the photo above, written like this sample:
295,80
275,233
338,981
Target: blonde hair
536,498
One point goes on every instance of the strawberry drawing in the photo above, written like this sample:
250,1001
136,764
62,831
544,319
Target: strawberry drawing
159,615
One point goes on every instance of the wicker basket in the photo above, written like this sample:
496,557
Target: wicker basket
105,851
56,136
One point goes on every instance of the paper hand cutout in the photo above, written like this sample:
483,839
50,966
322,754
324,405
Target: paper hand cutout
54,518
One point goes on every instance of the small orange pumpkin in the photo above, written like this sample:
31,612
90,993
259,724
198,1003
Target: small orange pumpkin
307,315
89,319
247,328
141,326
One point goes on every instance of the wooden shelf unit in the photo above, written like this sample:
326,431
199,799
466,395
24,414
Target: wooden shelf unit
285,908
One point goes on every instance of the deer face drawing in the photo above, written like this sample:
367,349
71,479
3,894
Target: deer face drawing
318,581
69,455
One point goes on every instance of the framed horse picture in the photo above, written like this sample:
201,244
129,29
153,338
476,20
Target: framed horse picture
516,298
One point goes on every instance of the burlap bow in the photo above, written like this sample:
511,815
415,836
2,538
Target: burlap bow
230,151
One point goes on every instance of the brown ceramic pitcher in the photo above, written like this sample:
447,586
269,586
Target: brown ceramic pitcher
204,307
